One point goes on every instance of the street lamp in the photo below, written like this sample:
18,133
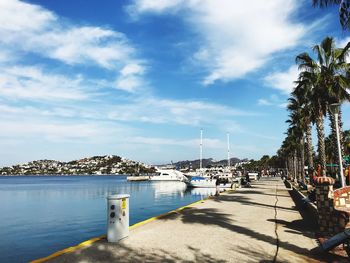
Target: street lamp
334,108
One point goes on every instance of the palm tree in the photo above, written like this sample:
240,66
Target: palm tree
297,126
328,79
288,150
308,83
301,95
344,10
346,142
331,155
333,78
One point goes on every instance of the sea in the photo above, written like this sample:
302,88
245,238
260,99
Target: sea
40,215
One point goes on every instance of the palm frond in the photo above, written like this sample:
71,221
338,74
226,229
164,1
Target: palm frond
344,14
325,3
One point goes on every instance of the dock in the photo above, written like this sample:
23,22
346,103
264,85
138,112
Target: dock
258,224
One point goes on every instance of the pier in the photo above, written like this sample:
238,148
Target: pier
258,224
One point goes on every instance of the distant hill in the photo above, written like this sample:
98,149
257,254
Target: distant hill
194,164
100,165
108,164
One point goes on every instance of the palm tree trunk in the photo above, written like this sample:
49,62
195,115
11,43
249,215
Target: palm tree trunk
341,136
321,145
334,136
290,165
295,164
299,165
334,144
286,166
302,158
310,158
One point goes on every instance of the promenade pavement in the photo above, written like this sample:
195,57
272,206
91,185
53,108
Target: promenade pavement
258,224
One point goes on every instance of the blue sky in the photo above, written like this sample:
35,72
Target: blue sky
140,78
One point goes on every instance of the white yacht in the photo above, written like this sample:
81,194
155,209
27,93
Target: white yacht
202,182
168,175
253,176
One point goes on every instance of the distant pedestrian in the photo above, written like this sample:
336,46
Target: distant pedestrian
217,184
247,178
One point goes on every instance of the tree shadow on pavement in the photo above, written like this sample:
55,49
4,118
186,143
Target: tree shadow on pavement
300,227
211,216
262,193
254,254
246,201
103,251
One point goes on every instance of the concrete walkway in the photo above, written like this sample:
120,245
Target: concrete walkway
258,224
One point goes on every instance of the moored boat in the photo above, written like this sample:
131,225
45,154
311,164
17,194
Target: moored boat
138,178
202,182
167,175
253,176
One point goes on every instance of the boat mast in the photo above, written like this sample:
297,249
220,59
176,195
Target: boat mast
201,150
228,150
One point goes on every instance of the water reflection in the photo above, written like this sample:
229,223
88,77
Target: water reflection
169,188
203,191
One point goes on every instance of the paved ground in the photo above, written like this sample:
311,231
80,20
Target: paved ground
258,224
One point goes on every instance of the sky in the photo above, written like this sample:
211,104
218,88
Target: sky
140,78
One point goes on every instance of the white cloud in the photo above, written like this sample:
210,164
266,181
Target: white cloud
237,36
213,147
24,82
132,69
31,18
49,131
159,6
342,42
273,100
158,110
130,78
136,109
29,124
51,36
207,142
264,102
37,112
80,45
283,81
283,105
129,83
5,56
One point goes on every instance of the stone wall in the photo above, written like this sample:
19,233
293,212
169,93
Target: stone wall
333,206
342,197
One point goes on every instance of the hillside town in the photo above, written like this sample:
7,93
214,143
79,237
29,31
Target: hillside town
97,165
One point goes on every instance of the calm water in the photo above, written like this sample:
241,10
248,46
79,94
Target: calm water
40,215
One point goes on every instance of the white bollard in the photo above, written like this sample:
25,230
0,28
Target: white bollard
117,217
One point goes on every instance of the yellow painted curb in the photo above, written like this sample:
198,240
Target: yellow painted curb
93,240
69,249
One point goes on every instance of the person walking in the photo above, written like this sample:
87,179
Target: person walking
217,184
